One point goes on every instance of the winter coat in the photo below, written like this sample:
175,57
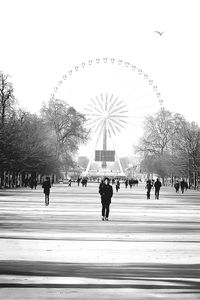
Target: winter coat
157,185
46,186
182,183
176,185
106,192
148,185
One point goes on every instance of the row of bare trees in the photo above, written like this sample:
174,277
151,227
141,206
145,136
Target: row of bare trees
170,147
33,144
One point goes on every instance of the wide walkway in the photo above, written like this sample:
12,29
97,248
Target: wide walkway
149,249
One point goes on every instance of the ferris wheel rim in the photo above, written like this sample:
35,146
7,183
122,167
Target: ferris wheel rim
97,61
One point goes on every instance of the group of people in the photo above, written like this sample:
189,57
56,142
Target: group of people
83,181
106,192
131,182
153,184
183,185
31,182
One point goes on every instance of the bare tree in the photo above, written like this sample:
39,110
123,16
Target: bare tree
158,130
158,145
187,145
67,125
7,98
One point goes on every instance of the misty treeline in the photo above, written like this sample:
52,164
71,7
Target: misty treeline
170,147
32,144
45,143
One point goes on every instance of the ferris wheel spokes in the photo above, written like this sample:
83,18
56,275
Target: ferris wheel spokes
99,102
113,103
117,123
112,128
118,109
99,126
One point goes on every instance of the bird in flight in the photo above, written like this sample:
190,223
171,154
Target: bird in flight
159,32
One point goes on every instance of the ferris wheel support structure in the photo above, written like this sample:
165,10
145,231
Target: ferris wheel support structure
104,164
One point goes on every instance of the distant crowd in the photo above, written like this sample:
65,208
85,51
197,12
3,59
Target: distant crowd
182,185
106,188
152,184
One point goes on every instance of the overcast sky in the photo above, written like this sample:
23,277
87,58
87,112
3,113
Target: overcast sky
41,39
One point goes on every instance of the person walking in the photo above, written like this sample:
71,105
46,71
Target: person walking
131,183
78,181
157,186
126,183
186,185
148,187
182,184
117,185
35,183
46,186
106,192
177,186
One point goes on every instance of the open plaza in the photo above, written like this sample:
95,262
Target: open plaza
149,249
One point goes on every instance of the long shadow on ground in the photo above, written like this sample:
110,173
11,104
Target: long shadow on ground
145,276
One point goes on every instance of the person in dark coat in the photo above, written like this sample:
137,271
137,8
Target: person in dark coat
177,186
148,187
78,181
35,183
131,183
157,186
46,186
126,183
106,192
186,185
182,184
117,185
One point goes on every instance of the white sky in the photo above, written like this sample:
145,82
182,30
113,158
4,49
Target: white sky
41,39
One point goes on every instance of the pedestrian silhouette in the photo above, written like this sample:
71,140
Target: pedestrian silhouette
46,186
117,185
157,186
126,183
148,187
182,184
106,192
177,186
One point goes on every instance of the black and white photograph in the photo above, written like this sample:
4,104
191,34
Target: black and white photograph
99,149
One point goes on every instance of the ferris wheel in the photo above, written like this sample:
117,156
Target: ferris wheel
114,95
